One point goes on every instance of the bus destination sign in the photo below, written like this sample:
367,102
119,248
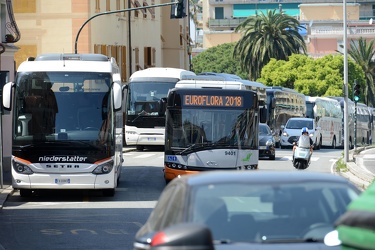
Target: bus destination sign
213,101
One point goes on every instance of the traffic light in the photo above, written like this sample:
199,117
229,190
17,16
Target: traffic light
178,10
357,92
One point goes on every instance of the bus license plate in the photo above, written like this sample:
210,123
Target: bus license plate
62,181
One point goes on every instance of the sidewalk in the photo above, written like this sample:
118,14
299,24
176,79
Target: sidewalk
356,172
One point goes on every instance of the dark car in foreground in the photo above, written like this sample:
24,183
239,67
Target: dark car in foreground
242,210
266,142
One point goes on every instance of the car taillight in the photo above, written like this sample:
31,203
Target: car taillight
159,238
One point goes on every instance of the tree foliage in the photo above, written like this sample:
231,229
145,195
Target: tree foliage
218,59
313,77
362,53
265,36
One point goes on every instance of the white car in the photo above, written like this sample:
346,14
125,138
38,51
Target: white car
292,131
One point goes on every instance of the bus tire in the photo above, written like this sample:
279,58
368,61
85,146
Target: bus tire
334,143
109,192
26,192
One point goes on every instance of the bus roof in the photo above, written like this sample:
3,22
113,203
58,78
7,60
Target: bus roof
226,76
318,98
217,83
282,89
159,72
69,63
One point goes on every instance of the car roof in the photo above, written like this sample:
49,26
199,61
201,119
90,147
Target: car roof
261,177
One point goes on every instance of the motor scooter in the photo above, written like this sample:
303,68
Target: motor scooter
302,154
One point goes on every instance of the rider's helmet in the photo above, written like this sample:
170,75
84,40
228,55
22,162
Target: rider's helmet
304,130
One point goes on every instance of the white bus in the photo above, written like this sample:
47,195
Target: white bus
210,129
67,123
328,116
144,93
363,134
227,81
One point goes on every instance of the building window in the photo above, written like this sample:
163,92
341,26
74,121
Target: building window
108,5
144,10
24,6
149,59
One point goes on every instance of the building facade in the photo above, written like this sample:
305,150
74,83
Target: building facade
136,38
323,21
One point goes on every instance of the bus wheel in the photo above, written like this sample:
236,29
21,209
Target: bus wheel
109,192
26,192
140,148
334,143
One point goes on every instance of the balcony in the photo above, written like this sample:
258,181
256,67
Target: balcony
219,2
225,23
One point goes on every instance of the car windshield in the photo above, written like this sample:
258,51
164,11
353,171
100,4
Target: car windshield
270,213
299,124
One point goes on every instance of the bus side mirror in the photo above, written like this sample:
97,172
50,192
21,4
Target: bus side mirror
117,96
263,114
162,106
7,95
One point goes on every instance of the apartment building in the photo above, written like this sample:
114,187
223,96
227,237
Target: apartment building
137,39
323,20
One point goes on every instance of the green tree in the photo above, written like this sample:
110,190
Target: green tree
362,53
266,36
218,59
313,77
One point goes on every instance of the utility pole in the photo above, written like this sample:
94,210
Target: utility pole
346,101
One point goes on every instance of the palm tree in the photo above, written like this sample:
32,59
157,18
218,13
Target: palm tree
362,53
266,36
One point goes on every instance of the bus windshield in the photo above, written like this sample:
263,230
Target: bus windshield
144,97
212,127
62,106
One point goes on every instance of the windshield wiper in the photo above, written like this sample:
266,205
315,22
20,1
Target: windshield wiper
202,145
292,240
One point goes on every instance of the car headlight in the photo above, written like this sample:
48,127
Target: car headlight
104,168
269,143
22,168
311,135
285,134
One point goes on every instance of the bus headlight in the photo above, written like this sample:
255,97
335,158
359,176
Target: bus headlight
176,166
104,168
131,132
22,168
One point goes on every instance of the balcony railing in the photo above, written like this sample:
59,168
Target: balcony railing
222,23
214,2
359,31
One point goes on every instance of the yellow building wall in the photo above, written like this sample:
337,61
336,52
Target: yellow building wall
214,39
328,12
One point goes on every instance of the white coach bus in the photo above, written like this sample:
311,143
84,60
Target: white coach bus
67,123
328,116
146,89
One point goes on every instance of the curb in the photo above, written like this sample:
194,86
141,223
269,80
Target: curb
356,174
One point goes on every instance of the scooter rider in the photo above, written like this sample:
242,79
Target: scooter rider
305,134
